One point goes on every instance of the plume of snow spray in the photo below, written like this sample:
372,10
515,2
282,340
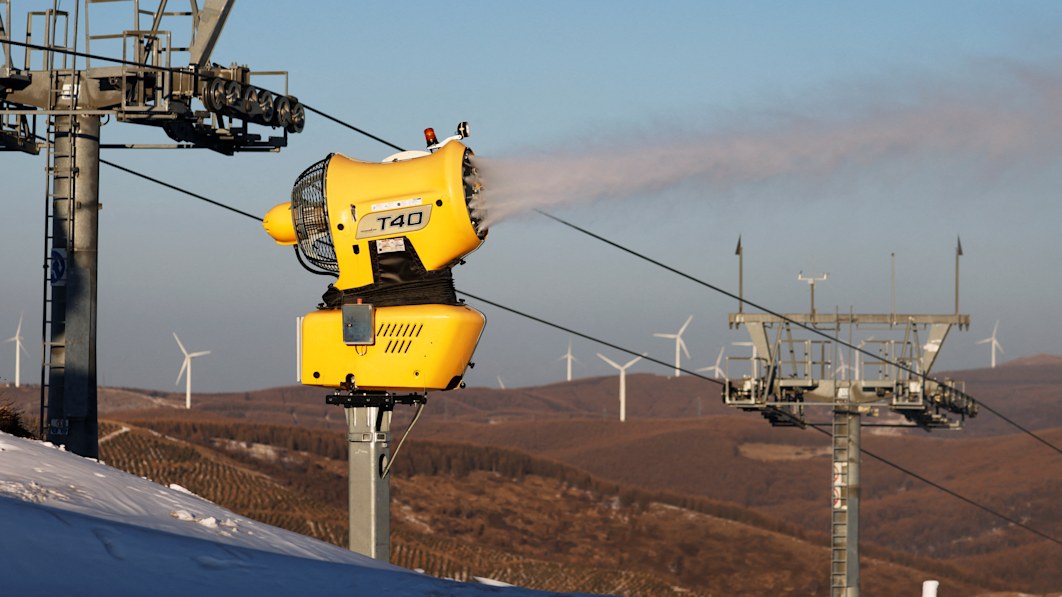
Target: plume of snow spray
991,128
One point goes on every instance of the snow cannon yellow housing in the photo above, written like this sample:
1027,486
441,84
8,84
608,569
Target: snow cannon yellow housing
347,213
390,232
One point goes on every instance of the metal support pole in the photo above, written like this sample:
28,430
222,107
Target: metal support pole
741,276
369,434
844,546
958,253
72,400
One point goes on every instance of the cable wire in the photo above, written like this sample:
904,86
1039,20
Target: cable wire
172,69
839,341
682,274
180,190
786,415
350,126
70,52
982,507
657,361
588,337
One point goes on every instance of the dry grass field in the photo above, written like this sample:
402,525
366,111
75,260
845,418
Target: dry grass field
542,487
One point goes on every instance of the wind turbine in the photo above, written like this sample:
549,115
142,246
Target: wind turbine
19,349
569,357
623,382
842,370
679,345
719,359
187,366
995,343
858,372
755,369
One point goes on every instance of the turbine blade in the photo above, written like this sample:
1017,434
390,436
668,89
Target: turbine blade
985,341
179,344
685,325
608,360
719,359
998,345
629,363
666,335
18,330
682,345
184,365
199,354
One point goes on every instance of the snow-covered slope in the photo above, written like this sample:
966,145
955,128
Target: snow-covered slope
72,526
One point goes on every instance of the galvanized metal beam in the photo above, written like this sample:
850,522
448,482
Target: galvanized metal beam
210,20
369,437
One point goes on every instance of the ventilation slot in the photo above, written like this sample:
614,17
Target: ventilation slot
399,336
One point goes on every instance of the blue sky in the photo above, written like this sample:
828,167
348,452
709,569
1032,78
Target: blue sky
601,79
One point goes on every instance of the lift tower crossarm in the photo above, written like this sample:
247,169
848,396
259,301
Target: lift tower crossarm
144,87
830,319
210,20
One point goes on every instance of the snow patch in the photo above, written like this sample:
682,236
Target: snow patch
30,492
177,487
490,582
118,534
182,515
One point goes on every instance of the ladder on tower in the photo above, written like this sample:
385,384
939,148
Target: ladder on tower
839,508
60,201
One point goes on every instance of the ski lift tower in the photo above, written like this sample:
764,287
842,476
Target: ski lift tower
795,371
50,75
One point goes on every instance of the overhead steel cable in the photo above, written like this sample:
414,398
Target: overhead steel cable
559,220
180,190
350,126
954,494
657,361
588,337
70,52
557,326
881,459
790,320
173,69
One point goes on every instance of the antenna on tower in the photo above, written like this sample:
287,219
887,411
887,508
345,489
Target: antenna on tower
811,280
797,375
741,276
958,253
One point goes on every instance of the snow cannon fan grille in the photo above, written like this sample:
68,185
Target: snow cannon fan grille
309,209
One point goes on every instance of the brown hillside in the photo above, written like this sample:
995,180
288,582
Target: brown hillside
724,455
464,511
1029,391
1013,475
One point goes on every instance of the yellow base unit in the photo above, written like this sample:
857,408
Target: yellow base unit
409,348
